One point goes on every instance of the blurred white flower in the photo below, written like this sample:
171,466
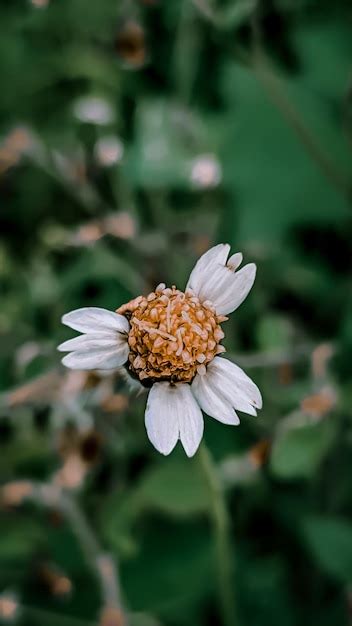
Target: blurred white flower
108,150
94,110
206,171
170,342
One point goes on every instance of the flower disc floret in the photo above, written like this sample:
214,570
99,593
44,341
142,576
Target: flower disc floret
173,336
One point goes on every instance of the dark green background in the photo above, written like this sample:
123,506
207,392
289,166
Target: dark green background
267,88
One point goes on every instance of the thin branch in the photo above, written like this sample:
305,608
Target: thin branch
80,190
106,570
41,388
205,9
186,51
347,112
226,17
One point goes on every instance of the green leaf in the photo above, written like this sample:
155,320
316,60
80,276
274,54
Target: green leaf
261,578
101,264
297,452
274,332
237,13
19,539
173,570
267,167
176,487
330,541
117,518
325,50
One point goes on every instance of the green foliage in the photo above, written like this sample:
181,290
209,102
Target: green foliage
298,452
19,540
234,123
177,488
330,542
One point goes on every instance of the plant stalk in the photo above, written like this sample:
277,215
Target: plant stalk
223,544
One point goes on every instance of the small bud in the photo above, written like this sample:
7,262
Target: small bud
54,580
121,225
320,359
206,171
108,150
13,494
259,453
319,404
130,44
90,446
72,474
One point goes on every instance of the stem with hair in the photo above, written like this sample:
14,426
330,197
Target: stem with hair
221,529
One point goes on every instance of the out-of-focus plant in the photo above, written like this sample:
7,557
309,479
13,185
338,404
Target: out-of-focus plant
133,137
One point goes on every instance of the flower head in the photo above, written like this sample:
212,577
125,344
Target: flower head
108,150
171,342
206,171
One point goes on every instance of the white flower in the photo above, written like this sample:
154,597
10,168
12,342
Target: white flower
170,342
93,110
206,171
108,150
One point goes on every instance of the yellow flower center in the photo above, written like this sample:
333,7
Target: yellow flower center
172,337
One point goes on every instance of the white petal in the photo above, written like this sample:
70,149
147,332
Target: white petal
215,282
215,256
224,386
219,280
97,359
173,413
235,261
92,342
94,319
214,278
161,419
191,421
227,289
212,402
237,289
231,374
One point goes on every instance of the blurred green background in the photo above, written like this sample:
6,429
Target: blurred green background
133,136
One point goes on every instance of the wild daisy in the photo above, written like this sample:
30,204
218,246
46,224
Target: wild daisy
171,342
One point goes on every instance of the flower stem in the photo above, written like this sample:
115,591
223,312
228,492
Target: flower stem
221,528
